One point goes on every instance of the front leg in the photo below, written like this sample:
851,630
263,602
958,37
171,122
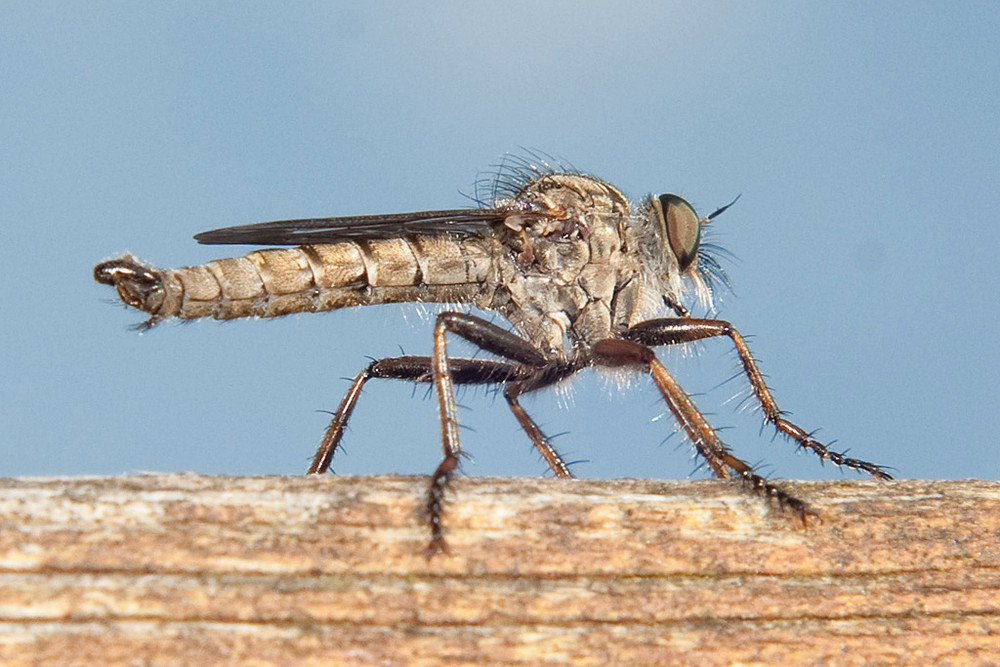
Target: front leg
617,352
671,331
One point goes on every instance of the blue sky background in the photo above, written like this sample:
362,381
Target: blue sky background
863,137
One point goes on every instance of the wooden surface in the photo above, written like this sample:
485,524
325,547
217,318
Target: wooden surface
187,569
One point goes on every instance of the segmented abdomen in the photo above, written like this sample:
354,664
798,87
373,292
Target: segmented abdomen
310,278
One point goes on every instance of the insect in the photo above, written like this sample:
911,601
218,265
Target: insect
585,279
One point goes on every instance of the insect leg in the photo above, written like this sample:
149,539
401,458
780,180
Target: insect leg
615,352
334,432
685,330
544,376
493,339
415,369
538,438
463,372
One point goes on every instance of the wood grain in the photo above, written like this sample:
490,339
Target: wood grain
188,569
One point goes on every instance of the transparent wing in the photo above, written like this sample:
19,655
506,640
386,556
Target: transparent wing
331,230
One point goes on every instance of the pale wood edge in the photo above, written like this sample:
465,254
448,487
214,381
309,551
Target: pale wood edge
176,569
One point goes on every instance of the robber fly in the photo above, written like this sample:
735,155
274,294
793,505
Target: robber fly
584,278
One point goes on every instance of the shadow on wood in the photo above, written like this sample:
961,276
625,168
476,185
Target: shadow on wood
187,569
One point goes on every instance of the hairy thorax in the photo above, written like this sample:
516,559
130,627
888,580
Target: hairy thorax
557,282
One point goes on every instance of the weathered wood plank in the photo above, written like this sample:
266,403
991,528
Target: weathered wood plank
187,569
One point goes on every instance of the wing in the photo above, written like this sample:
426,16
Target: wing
331,230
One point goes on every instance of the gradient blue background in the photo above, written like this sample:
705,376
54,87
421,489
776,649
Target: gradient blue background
863,137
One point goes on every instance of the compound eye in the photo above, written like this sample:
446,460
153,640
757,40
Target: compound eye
683,228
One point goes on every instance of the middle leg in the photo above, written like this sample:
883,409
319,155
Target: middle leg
517,379
501,342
